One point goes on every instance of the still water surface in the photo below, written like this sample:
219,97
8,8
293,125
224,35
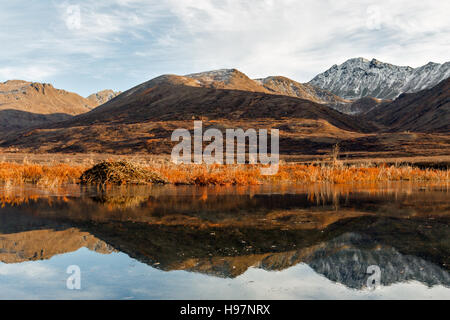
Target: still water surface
264,242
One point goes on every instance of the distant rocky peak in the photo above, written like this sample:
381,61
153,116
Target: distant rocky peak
222,75
358,77
103,96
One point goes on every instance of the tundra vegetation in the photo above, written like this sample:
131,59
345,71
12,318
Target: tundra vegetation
127,172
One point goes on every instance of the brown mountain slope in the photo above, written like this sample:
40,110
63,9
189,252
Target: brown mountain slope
288,87
13,120
41,98
142,119
424,111
26,104
175,98
233,79
364,105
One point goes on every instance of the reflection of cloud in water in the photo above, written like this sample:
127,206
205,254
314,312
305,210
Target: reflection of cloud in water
342,260
27,270
116,276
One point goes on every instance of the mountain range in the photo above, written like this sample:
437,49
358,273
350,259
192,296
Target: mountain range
360,104
41,98
24,104
359,77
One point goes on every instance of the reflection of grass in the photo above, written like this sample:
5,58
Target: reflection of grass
59,174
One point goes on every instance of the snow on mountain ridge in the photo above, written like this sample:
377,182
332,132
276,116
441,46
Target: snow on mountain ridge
359,77
222,75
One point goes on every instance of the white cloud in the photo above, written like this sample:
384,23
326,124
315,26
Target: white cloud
73,17
303,38
31,72
129,41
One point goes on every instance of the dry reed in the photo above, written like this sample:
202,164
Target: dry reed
60,174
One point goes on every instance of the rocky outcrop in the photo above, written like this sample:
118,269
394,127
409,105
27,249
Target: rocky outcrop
103,96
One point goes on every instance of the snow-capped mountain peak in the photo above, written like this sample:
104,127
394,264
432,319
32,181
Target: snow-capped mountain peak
360,77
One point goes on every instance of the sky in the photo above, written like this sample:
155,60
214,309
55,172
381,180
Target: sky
87,46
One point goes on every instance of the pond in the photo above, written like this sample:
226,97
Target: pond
381,241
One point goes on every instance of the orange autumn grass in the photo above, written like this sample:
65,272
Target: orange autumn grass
51,175
60,174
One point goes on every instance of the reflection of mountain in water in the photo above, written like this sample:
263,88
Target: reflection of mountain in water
342,260
339,237
28,238
44,244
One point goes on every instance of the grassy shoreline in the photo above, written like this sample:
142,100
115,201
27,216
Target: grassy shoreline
337,173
